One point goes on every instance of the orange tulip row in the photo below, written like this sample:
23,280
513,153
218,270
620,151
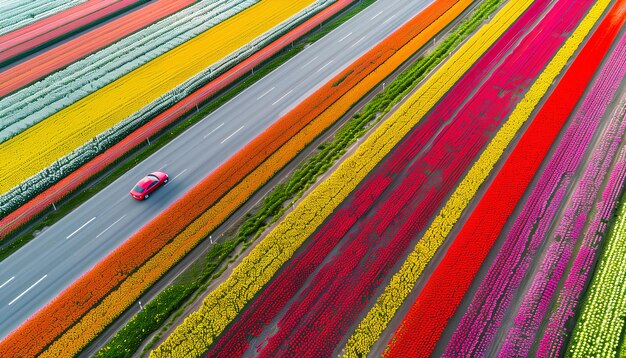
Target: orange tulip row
164,241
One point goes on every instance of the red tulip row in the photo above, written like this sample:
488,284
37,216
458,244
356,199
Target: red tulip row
64,54
443,292
375,226
52,28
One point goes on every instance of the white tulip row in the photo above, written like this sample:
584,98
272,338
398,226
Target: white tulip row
19,13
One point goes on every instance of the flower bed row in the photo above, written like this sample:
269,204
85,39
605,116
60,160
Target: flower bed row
78,177
452,276
223,304
30,70
28,39
561,169
372,229
600,325
85,79
21,14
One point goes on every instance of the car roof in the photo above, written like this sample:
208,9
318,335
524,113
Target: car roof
143,183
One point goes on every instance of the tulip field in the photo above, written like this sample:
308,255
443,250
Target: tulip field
481,214
542,82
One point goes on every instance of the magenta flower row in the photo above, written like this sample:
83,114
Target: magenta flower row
537,299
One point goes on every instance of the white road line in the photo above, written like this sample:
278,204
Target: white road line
389,19
263,95
278,100
179,174
28,289
375,16
211,132
85,224
235,132
163,166
345,37
9,280
329,62
361,39
110,226
311,60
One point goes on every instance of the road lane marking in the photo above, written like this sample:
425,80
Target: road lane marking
9,280
361,39
28,289
375,16
263,95
345,37
389,19
110,226
278,100
179,174
329,62
211,132
85,224
235,132
311,60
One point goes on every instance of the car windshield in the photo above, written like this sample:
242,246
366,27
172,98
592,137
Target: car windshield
139,189
152,177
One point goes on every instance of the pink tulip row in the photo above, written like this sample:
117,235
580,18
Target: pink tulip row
372,230
487,309
537,300
568,299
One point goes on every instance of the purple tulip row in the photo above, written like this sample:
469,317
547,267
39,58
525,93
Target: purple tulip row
544,285
495,293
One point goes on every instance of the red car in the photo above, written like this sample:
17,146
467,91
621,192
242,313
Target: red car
148,184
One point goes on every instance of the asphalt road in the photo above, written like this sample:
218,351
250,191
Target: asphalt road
40,270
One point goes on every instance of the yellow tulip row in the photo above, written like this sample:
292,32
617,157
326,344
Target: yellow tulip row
402,283
222,305
41,145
